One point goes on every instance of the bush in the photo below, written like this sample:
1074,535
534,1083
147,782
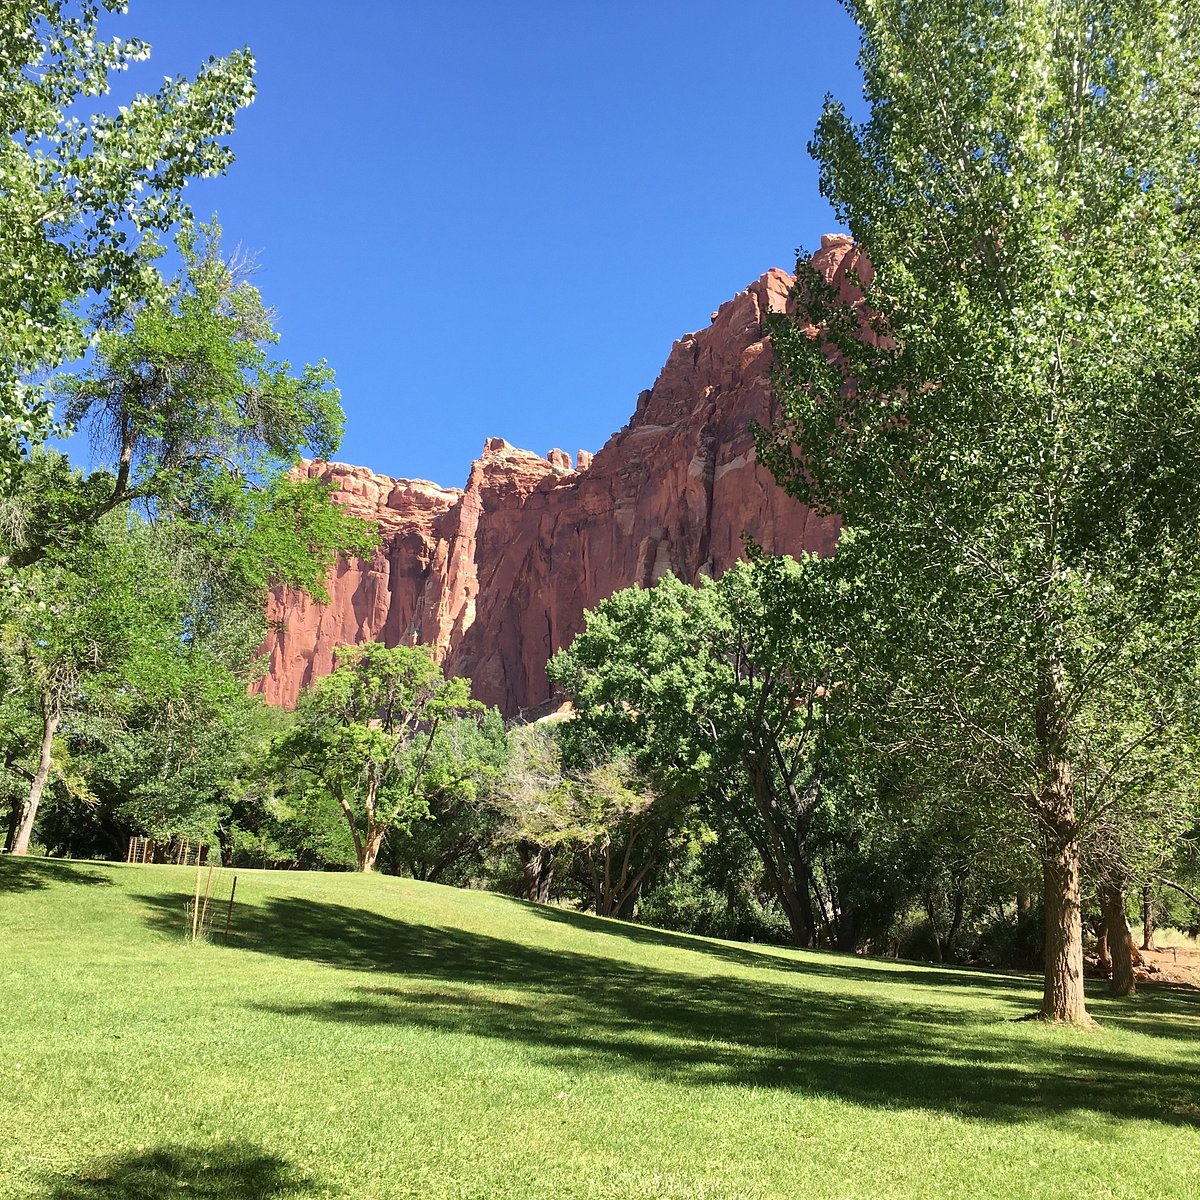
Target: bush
687,904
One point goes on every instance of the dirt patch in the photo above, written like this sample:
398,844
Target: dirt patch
1177,965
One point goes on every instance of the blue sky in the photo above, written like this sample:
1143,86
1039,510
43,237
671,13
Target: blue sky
493,218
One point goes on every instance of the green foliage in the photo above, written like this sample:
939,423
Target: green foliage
202,426
114,650
725,693
450,842
85,194
992,414
597,817
977,395
716,889
367,737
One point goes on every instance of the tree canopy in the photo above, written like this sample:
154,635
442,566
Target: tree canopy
86,196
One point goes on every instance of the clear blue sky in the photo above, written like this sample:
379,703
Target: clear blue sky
493,217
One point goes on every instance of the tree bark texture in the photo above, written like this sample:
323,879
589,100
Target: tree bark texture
1121,949
348,813
371,847
537,866
1062,991
782,843
50,721
1148,917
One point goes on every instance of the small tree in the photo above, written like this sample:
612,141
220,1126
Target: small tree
627,831
366,734
534,796
104,632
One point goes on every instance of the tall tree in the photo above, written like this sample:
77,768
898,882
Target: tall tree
199,424
1014,409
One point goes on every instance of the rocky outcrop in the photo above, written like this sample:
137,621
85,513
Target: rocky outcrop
497,577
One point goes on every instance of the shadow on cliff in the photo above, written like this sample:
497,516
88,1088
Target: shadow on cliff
904,1046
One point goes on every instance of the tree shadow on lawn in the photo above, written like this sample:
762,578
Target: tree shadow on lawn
1162,1010
232,1171
772,957
36,874
910,1046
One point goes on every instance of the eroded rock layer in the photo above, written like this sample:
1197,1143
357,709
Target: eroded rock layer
497,577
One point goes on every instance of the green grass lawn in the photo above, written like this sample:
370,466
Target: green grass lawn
372,1037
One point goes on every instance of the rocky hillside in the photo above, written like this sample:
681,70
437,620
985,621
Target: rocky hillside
497,576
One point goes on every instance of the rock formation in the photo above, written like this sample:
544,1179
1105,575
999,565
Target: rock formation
497,577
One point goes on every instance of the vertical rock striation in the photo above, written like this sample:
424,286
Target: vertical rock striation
497,577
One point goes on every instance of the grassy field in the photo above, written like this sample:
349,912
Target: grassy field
371,1037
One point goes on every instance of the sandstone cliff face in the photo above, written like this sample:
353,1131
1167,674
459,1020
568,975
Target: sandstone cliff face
497,577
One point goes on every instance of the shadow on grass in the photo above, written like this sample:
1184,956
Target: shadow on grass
785,958
35,874
869,1039
1161,1010
232,1171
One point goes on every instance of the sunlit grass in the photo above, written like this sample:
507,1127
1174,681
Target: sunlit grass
372,1037
1164,939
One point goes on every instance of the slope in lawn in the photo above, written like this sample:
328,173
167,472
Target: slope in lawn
372,1037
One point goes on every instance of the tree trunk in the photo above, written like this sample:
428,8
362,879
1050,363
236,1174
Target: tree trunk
931,913
956,921
1062,993
1102,954
371,846
1148,917
799,913
537,865
784,853
14,822
1120,940
50,721
348,812
847,927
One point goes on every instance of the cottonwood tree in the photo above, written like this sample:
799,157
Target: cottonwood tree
86,195
366,734
533,795
1014,410
722,692
105,632
627,831
600,817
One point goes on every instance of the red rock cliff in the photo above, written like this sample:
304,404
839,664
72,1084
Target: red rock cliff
497,577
